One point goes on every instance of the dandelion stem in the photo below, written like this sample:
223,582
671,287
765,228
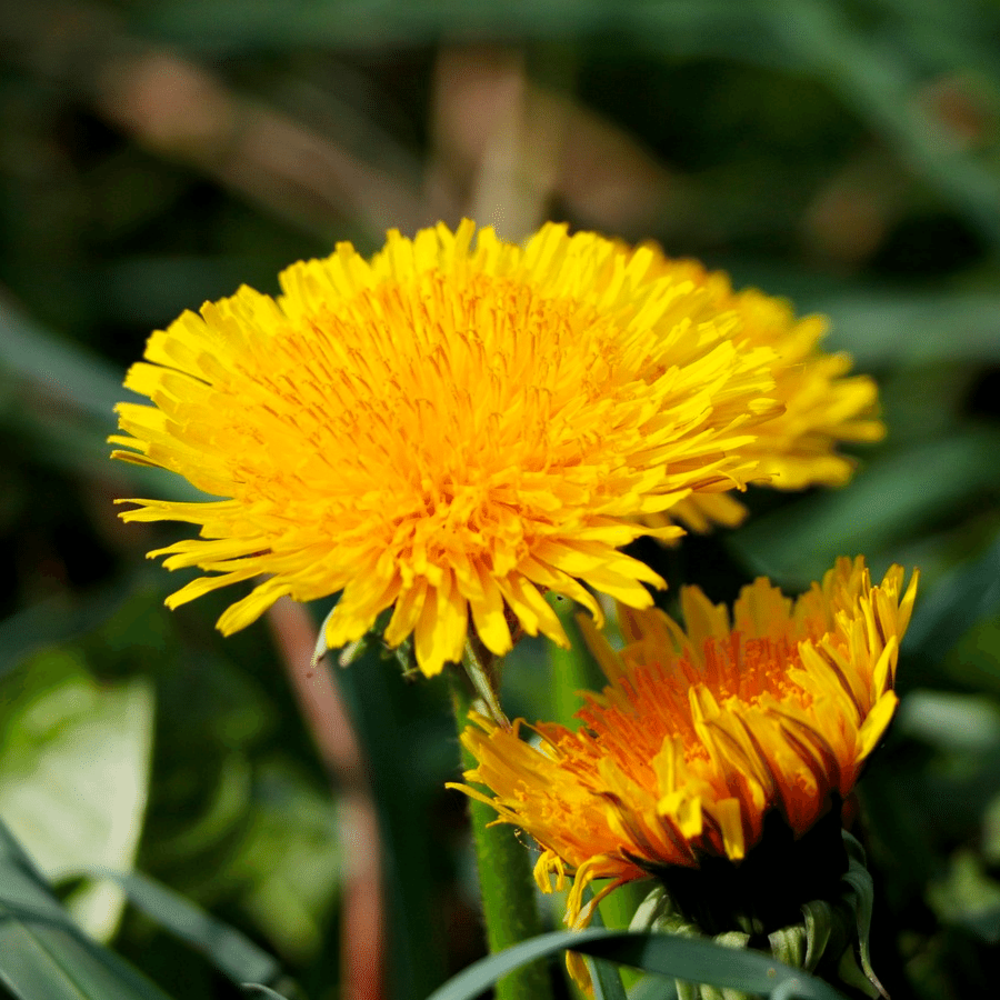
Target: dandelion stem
482,671
509,906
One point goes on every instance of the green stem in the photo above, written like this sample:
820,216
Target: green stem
483,671
509,906
573,670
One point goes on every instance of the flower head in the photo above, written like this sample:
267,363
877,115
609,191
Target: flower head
706,732
445,430
821,404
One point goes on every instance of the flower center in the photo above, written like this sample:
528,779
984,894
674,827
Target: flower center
440,415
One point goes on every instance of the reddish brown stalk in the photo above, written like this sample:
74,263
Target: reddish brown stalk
363,918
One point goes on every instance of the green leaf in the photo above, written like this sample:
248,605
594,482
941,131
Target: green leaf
606,978
84,380
56,621
74,773
882,83
706,26
966,895
967,596
43,954
290,857
959,724
72,435
894,497
257,990
883,328
665,954
231,952
653,988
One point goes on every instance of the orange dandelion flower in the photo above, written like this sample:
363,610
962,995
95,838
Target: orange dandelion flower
704,733
446,429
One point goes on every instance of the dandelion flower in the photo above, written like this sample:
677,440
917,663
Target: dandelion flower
822,405
705,734
445,429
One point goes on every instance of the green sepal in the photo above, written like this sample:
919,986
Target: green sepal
833,934
860,897
819,923
651,910
657,912
789,945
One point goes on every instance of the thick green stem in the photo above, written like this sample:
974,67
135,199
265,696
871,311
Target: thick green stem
509,906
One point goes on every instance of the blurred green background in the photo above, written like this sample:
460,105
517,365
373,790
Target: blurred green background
157,154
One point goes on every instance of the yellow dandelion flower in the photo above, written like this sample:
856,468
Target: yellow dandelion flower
445,429
822,405
704,733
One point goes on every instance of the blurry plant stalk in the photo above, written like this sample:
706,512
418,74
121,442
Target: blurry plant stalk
328,721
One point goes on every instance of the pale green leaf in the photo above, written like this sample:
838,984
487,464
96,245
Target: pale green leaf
74,772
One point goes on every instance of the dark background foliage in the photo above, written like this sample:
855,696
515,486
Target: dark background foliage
845,153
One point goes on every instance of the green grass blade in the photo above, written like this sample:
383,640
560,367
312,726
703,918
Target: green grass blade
903,490
70,372
257,990
881,83
43,954
606,977
664,954
683,25
967,596
231,952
